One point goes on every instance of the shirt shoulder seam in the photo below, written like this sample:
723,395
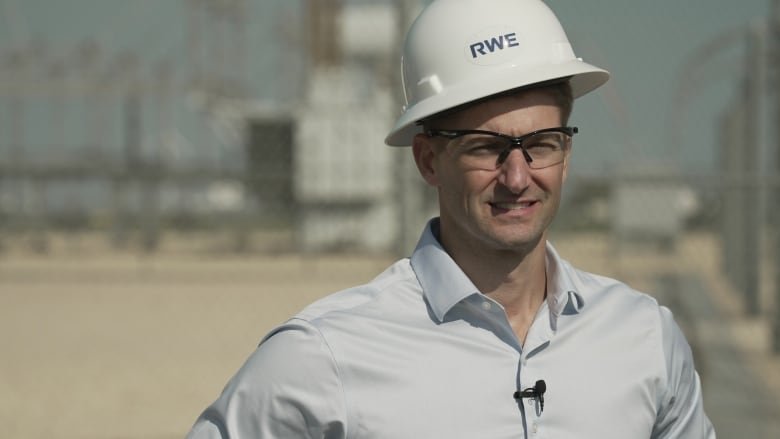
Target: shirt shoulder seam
336,366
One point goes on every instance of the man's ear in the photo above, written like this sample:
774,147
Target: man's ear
425,152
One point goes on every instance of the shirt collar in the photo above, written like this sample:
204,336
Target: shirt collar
563,297
444,284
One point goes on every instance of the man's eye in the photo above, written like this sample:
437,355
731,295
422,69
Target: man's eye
544,143
484,147
543,146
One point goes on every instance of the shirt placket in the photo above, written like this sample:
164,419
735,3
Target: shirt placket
538,339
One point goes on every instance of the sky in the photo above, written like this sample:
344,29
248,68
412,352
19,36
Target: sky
644,44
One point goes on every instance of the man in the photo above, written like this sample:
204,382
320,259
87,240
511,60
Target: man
484,332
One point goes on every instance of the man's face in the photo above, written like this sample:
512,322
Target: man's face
506,209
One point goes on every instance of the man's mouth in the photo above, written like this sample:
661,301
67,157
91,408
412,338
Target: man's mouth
512,205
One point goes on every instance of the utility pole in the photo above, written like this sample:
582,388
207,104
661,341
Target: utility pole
410,193
152,167
125,72
774,36
15,62
237,22
750,184
195,18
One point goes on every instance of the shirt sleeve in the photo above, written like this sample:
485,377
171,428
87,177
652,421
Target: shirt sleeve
288,388
681,411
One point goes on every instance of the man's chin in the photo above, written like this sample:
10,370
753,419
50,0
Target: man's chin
514,242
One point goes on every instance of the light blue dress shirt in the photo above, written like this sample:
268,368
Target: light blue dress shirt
419,353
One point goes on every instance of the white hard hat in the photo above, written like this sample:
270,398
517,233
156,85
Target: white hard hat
459,51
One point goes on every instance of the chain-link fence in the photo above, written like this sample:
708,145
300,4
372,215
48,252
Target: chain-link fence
109,154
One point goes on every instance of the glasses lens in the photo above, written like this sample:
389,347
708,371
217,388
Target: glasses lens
546,149
481,151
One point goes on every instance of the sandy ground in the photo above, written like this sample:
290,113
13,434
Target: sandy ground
98,345
108,346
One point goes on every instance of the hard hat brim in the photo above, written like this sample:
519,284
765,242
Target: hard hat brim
584,78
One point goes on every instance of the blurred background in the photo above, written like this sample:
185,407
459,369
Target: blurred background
179,176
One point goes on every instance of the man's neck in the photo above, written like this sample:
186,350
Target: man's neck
515,279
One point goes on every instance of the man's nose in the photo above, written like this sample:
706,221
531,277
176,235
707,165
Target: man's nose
515,172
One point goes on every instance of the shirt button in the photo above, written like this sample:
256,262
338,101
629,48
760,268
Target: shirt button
486,305
530,401
535,428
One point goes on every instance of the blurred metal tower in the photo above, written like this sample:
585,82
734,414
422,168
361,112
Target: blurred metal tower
324,48
216,45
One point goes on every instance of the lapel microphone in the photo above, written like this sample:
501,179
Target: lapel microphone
537,391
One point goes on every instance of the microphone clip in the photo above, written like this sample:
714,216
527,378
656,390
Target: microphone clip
536,392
